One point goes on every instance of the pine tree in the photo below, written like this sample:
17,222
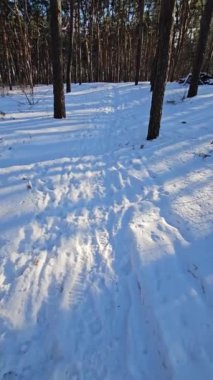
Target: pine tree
56,39
165,27
70,48
203,35
140,40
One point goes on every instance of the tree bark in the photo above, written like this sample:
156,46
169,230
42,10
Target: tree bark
70,50
57,63
165,27
140,40
79,45
91,40
203,35
179,37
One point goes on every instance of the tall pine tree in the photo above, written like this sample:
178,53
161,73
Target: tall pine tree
57,61
159,81
201,46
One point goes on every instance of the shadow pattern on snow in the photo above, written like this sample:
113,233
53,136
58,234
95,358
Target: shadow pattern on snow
107,266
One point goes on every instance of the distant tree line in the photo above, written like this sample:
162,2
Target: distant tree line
107,40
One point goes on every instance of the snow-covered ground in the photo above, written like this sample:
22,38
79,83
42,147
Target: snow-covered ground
106,244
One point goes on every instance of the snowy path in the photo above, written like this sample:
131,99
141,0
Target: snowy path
106,248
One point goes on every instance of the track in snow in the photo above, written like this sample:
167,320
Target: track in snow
89,279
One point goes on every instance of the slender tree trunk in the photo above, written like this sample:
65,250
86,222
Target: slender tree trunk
178,43
165,27
7,70
79,45
70,50
203,35
140,40
27,47
154,60
209,58
98,50
91,39
125,76
58,87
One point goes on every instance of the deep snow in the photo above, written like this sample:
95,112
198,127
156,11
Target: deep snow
105,238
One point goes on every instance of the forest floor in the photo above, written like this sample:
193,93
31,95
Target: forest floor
106,244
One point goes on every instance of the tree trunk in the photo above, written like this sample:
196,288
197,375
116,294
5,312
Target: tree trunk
91,40
204,30
58,87
165,27
209,59
79,44
154,68
70,49
140,40
179,37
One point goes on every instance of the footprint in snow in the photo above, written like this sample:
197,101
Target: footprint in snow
10,375
95,327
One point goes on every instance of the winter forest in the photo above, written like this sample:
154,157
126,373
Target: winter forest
100,36
106,207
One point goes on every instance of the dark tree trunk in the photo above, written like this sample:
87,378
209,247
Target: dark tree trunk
179,36
140,40
154,69
56,38
70,49
91,39
79,45
98,50
203,35
165,27
209,59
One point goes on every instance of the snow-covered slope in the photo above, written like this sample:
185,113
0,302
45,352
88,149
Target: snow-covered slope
105,238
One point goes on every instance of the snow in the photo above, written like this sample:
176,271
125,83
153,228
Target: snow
106,238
